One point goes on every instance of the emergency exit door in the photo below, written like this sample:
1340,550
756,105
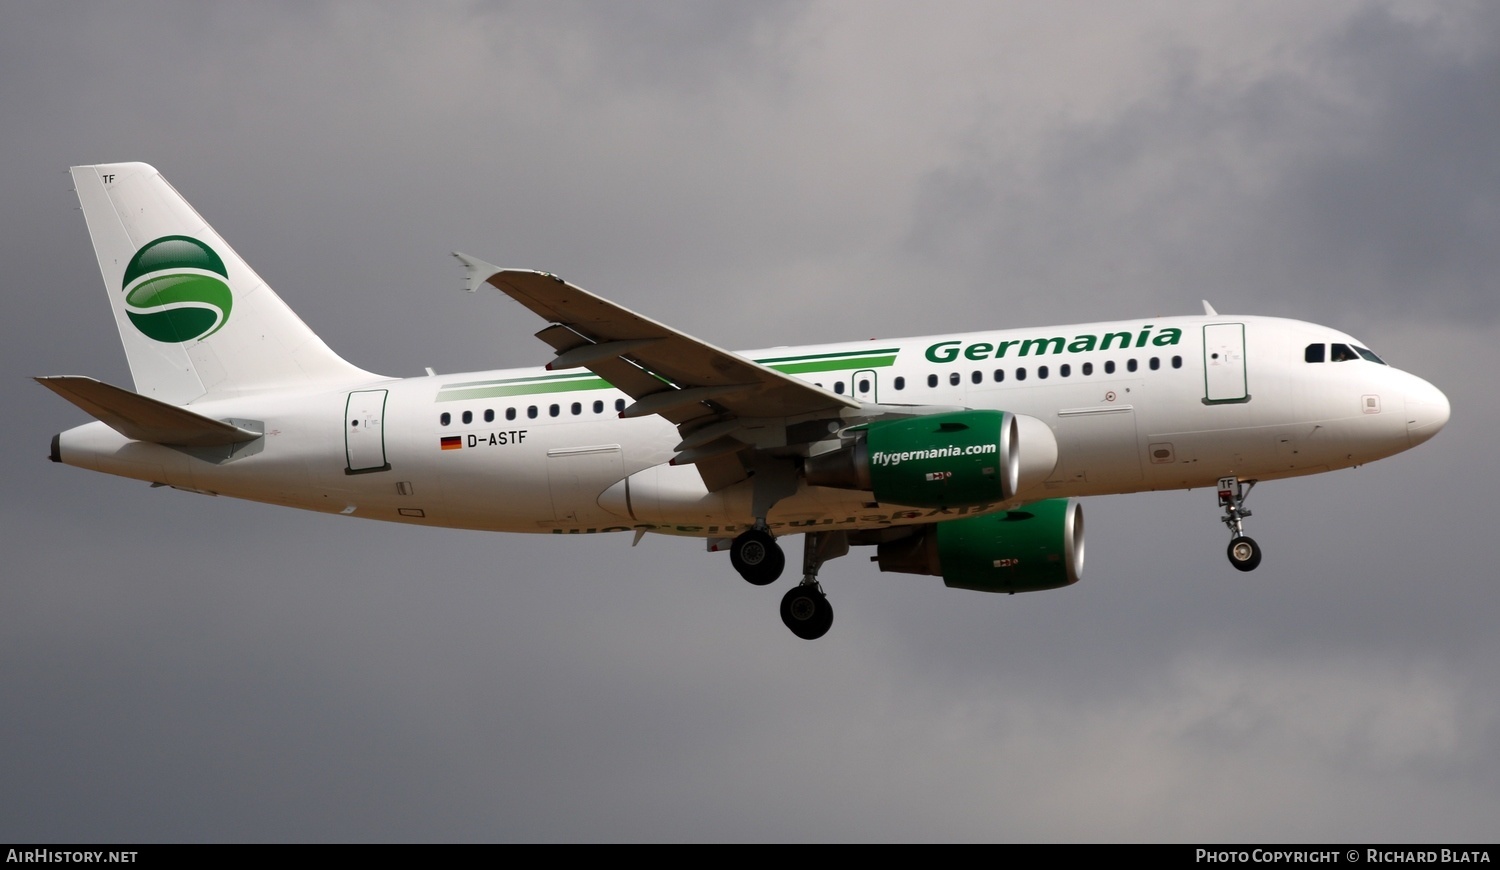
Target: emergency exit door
1224,364
364,432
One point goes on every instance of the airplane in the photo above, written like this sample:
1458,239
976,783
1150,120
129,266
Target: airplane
959,456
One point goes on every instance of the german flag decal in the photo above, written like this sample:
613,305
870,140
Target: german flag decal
452,442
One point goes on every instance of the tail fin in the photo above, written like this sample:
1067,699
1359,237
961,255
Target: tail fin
196,321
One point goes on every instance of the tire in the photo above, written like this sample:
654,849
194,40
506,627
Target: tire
806,611
1244,553
757,557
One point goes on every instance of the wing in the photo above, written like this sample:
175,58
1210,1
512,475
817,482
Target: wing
700,387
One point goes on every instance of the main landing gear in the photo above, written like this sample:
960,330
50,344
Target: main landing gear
757,556
806,611
1244,553
805,608
759,559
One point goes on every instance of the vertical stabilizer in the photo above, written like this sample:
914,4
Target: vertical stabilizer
196,321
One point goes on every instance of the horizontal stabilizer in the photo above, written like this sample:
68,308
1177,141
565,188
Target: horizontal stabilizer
142,418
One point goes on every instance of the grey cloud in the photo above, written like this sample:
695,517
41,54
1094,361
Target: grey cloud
177,667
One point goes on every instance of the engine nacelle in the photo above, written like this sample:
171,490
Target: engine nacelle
1037,547
958,459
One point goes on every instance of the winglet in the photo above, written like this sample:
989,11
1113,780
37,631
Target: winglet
477,270
1209,309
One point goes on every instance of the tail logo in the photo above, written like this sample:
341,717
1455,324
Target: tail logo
176,290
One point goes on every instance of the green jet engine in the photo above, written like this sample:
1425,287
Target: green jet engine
1036,547
955,459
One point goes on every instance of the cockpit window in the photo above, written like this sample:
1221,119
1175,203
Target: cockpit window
1316,353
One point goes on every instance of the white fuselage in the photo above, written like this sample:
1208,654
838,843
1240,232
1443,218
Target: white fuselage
1168,403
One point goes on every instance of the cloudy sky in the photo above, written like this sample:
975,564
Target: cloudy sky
174,667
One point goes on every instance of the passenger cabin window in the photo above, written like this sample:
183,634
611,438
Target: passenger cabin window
1088,368
900,383
489,415
977,377
510,413
953,379
598,407
619,404
1109,367
932,380
446,418
468,417
1130,365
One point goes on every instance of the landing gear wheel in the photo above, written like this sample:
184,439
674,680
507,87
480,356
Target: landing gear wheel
757,556
806,611
1244,553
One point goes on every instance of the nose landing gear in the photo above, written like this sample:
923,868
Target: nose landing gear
1244,552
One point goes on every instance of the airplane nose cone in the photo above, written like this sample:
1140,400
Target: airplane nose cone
1427,411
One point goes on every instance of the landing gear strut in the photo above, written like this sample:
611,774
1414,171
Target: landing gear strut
1244,553
755,553
804,608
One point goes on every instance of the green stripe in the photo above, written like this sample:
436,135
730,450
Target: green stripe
528,380
566,383
503,390
833,365
848,353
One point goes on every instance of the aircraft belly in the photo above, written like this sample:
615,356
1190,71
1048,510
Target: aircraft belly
1277,450
673,500
1098,446
575,478
261,471
97,447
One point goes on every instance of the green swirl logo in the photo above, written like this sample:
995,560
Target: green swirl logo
176,290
